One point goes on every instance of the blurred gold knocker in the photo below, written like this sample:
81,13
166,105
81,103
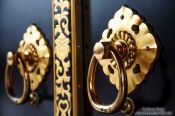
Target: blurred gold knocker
126,52
32,58
11,60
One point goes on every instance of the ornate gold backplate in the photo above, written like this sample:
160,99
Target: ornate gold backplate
134,42
36,54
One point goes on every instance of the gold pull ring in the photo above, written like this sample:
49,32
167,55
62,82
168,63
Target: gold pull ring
11,60
122,91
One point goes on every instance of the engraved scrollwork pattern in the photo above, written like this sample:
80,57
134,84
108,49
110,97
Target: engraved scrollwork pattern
62,51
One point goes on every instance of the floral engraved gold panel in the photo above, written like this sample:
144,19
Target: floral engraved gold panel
62,60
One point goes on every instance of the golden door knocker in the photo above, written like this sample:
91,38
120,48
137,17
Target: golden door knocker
126,53
32,58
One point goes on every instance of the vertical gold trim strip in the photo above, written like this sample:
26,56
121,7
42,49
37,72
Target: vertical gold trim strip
53,49
74,54
62,61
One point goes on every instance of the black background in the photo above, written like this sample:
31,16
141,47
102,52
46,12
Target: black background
15,17
158,89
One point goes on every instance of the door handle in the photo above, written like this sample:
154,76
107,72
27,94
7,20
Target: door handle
126,53
104,50
32,58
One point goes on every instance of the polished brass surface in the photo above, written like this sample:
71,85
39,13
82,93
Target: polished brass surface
126,53
33,56
105,50
135,43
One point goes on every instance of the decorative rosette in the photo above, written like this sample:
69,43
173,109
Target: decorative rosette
142,49
35,44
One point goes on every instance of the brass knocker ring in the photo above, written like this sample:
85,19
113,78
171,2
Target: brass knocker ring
127,49
33,57
99,53
12,58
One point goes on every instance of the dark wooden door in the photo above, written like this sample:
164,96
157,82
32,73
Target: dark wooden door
15,17
157,91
